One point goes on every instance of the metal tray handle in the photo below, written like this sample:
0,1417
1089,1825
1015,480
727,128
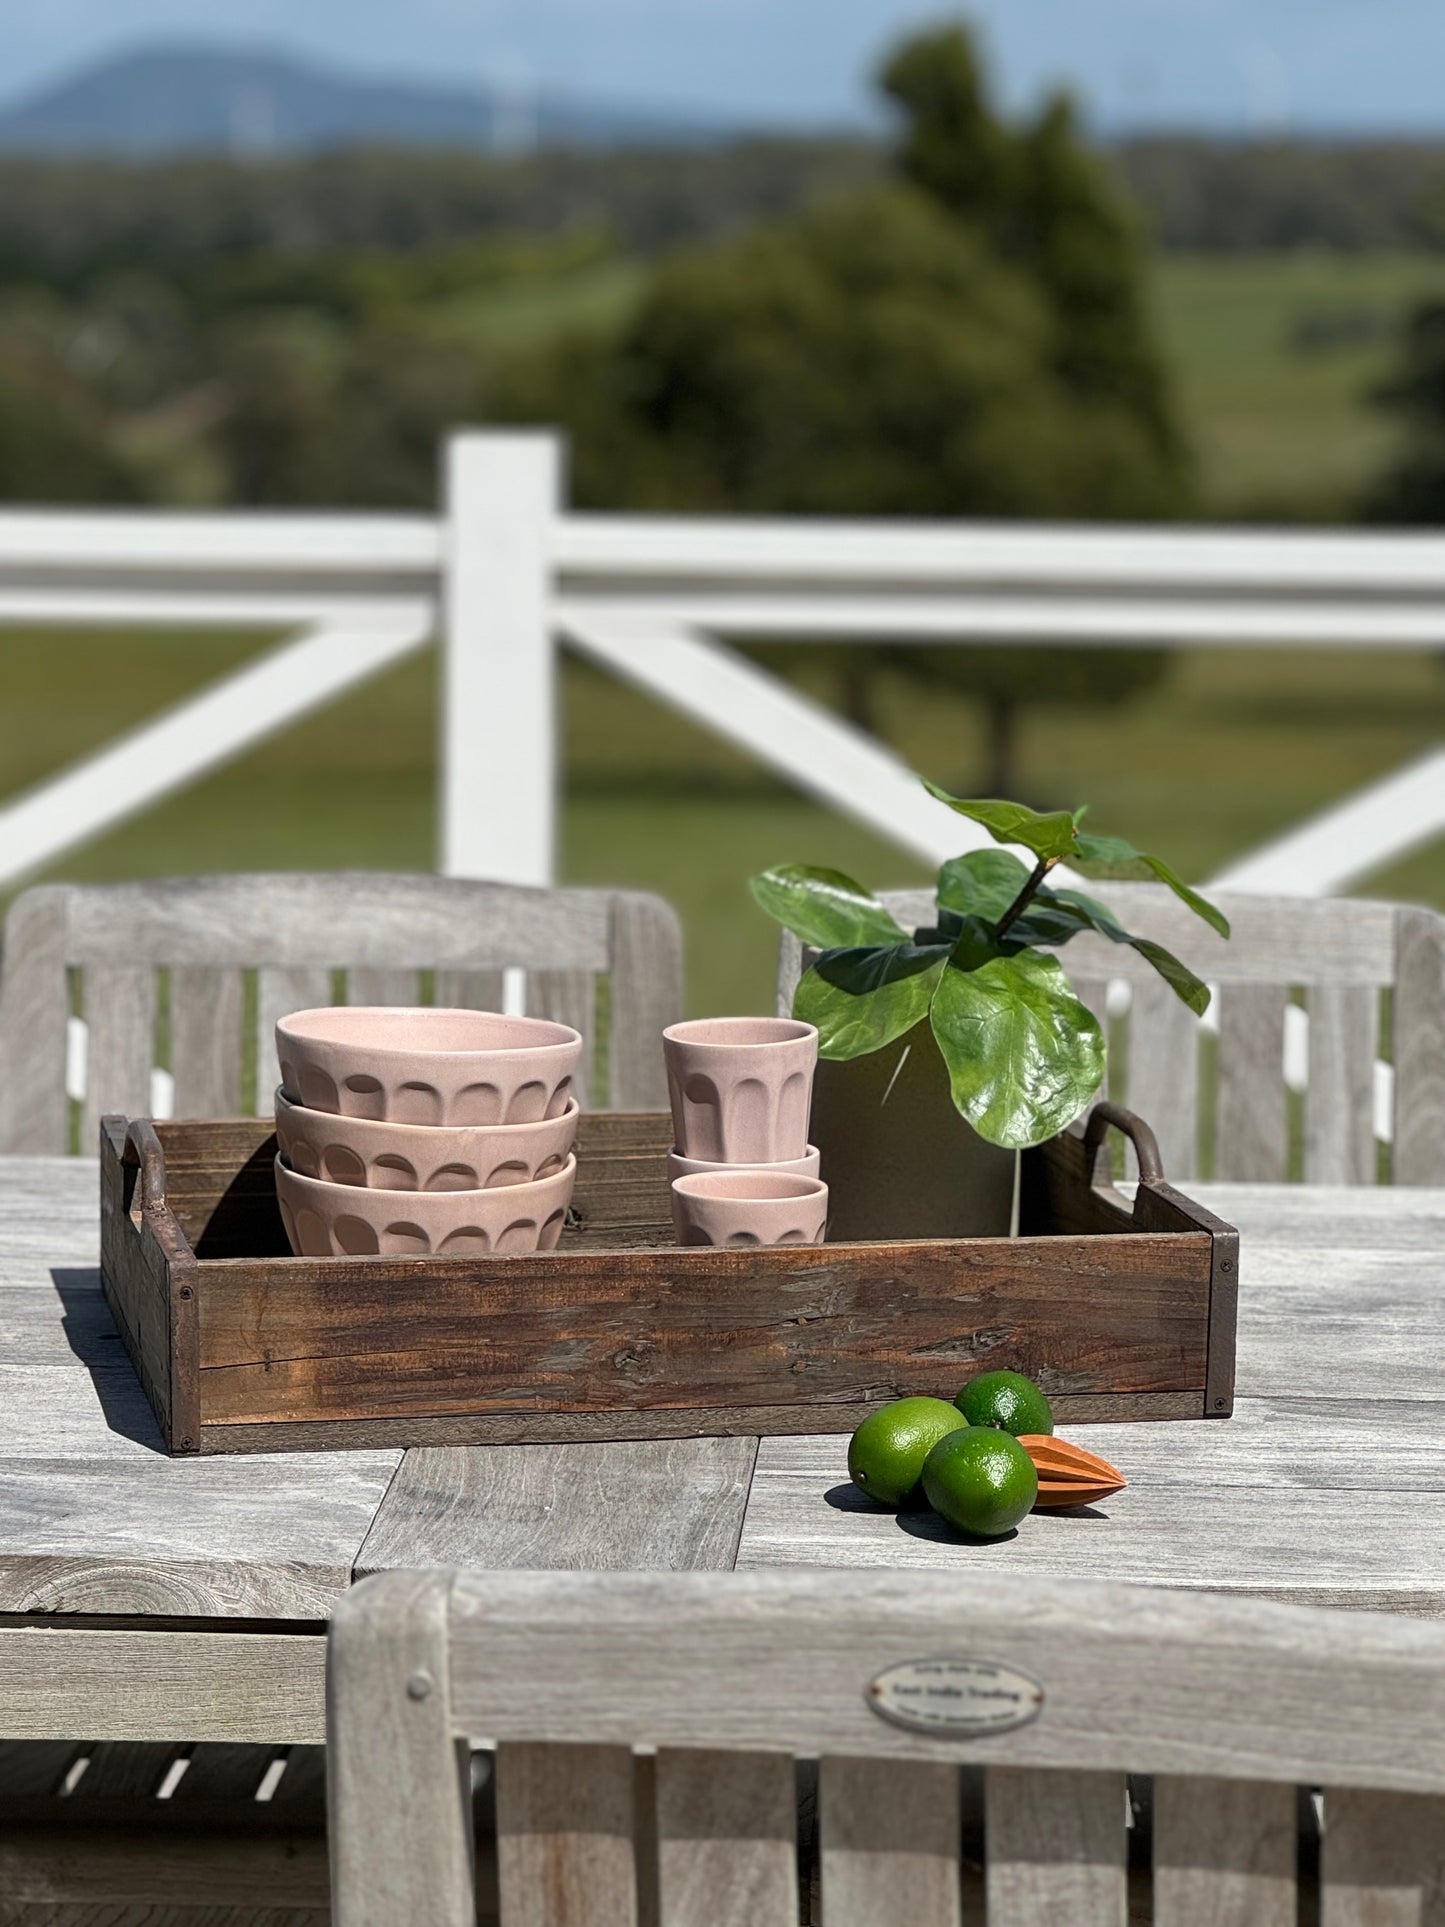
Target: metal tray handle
1146,1145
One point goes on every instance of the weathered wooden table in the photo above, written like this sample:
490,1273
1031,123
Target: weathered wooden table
186,1599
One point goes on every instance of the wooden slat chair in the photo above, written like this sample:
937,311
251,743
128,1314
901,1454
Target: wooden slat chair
1371,977
647,1727
231,954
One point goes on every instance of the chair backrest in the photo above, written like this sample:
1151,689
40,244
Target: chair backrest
894,1682
191,975
1357,989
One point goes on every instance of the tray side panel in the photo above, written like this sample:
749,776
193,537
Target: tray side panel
572,1428
1056,1197
133,1277
1168,1210
801,1327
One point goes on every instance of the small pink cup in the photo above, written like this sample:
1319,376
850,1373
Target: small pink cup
741,1088
749,1208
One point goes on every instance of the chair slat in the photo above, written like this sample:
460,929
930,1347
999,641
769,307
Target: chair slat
1419,1029
1383,1860
369,985
1339,1103
468,989
120,1016
34,1014
570,997
727,1845
1225,1853
224,1770
566,1820
206,1016
1056,1848
1164,1075
646,981
1253,1117
278,993
889,1838
126,1769
1093,994
35,1769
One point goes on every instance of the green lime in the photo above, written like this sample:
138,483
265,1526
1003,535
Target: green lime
886,1453
981,1481
1008,1401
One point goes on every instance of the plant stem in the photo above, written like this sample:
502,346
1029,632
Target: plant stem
1025,896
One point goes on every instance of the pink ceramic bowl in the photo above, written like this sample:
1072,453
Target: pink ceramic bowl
807,1166
415,1157
346,1221
427,1066
749,1207
741,1088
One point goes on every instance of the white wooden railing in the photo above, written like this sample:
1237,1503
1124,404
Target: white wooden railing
505,574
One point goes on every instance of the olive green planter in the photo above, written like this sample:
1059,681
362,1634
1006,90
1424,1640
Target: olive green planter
898,1160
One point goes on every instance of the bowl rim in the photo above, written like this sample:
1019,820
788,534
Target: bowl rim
790,1030
354,1191
560,1041
780,1165
711,1186
408,1132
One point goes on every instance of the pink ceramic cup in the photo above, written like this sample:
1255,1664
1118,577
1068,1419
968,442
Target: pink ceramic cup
749,1208
741,1088
807,1166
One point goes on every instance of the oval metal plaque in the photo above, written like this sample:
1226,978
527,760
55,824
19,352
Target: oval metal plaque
964,1698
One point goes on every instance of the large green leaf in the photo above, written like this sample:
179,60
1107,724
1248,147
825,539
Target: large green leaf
982,884
1024,1056
861,999
825,908
1180,978
1048,834
1116,856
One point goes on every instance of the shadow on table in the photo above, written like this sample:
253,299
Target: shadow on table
91,1333
922,1523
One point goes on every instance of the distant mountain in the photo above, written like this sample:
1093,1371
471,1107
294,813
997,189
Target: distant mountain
251,103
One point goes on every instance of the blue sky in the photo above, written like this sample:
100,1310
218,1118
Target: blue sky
1233,65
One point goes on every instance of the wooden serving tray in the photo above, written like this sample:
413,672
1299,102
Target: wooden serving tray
1117,1312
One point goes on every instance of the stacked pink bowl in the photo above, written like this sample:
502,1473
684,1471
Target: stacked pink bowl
416,1132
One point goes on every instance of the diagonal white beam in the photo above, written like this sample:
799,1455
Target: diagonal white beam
196,737
807,744
1350,840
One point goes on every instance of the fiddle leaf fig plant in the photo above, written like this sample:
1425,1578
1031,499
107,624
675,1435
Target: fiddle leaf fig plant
1023,1054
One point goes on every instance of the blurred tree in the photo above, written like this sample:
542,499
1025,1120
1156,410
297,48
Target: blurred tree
1413,490
56,443
317,413
971,340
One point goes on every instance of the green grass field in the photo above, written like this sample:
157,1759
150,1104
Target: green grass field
1276,358
1229,750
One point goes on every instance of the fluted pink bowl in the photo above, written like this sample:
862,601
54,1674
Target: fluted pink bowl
346,1221
745,1207
382,1156
425,1065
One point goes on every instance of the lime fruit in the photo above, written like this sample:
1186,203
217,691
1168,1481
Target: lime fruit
1007,1401
886,1453
981,1481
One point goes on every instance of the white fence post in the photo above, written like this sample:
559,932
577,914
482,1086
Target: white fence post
498,774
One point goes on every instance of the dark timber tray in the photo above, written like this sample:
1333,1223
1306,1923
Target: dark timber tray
1118,1312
